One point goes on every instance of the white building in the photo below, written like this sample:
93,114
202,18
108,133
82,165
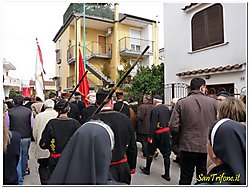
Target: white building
207,40
8,82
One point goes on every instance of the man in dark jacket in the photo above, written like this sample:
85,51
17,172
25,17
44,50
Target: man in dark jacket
120,106
159,137
21,120
191,119
144,123
124,155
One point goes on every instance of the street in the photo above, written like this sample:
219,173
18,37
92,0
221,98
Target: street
138,178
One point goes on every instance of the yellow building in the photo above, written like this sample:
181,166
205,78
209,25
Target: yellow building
111,41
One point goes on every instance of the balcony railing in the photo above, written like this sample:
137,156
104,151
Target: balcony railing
8,81
71,81
134,45
99,49
71,54
58,56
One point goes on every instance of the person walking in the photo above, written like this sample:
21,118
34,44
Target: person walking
159,137
37,106
233,109
144,123
191,119
230,162
11,155
175,136
21,120
42,156
120,105
86,158
57,133
124,155
88,111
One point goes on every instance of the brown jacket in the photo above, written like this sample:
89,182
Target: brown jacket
191,119
144,118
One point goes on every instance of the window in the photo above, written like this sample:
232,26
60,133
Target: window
207,27
135,48
135,40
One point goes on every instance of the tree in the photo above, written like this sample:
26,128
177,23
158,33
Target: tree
148,81
14,93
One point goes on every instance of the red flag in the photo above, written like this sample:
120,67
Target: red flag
84,86
26,91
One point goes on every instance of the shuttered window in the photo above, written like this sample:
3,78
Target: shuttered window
207,27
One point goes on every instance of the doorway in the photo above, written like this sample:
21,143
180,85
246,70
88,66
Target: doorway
102,44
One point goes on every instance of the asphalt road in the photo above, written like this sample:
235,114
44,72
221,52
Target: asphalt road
138,178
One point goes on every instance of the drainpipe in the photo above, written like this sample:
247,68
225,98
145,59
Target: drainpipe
76,49
115,57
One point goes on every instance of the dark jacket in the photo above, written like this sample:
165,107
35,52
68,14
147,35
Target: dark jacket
57,133
87,113
144,118
20,121
11,159
120,106
160,117
125,144
191,119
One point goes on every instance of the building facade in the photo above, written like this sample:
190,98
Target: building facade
9,82
207,40
112,40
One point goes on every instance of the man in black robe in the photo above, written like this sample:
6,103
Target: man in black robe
57,133
159,137
86,158
124,156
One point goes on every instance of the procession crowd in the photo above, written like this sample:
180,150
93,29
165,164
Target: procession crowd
76,146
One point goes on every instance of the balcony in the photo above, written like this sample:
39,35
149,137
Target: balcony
99,50
71,54
133,47
71,81
58,56
11,82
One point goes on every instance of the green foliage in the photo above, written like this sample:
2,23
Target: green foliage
148,81
103,10
100,9
126,65
14,93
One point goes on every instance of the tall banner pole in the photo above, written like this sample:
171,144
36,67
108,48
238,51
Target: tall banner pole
84,35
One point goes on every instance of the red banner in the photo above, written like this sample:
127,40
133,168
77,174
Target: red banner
26,92
84,86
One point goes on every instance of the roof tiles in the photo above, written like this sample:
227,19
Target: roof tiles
213,69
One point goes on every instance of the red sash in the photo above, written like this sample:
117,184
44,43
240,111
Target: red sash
120,161
165,129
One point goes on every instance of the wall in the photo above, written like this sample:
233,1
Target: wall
64,47
177,44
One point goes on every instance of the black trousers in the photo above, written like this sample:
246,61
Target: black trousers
175,144
43,170
121,173
143,139
162,142
188,161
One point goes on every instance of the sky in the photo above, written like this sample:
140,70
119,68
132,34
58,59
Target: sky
23,21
